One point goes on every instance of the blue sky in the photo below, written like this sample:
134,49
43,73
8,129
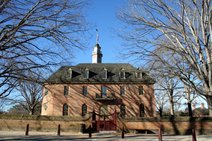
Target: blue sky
101,14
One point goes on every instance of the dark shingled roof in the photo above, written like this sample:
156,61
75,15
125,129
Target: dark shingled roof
96,73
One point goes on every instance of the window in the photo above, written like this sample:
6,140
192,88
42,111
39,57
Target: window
104,91
86,73
105,73
65,110
70,72
140,75
84,90
122,111
45,106
141,90
122,90
46,91
84,109
122,74
141,110
65,90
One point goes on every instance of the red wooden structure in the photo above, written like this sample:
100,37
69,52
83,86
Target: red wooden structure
105,122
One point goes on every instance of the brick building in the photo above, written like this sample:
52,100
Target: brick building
101,87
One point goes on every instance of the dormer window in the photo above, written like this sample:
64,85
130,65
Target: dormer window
70,72
140,75
86,73
105,73
122,74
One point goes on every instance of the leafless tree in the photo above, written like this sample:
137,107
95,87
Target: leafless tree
17,109
30,96
183,27
27,95
162,100
167,82
37,34
171,91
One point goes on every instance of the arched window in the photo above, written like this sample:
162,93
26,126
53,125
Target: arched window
141,110
65,109
122,111
122,90
84,109
103,91
46,91
141,90
65,90
84,90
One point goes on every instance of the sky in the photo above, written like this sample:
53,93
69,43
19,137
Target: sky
102,15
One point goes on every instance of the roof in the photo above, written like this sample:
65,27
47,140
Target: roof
96,74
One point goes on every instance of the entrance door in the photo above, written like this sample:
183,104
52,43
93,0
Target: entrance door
106,121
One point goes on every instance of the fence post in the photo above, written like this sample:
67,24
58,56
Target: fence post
193,135
122,133
58,130
159,134
27,130
90,131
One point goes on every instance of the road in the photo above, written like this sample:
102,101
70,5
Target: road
51,136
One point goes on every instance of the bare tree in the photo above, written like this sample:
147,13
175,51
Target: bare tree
17,109
36,34
170,89
164,75
183,27
30,96
27,95
161,101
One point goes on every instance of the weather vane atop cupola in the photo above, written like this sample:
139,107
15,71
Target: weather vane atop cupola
97,36
97,53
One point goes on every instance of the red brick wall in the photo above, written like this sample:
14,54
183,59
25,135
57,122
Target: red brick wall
178,126
55,99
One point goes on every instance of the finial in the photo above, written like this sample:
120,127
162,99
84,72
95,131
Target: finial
97,36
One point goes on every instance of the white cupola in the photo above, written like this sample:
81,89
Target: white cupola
97,54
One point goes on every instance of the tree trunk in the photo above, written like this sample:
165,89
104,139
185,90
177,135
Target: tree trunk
190,113
209,100
187,90
172,107
171,99
32,111
161,112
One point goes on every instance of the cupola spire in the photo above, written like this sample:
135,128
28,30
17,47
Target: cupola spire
97,36
97,53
